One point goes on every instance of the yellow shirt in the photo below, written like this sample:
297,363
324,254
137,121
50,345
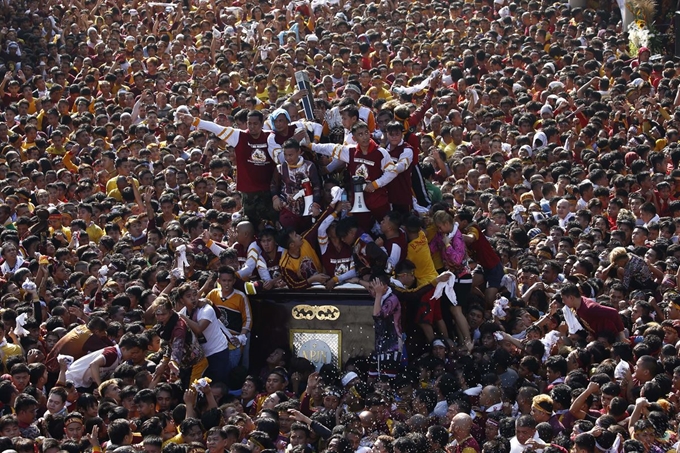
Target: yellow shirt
234,309
430,233
111,184
94,232
297,270
56,151
65,230
10,350
115,193
178,439
286,91
451,148
264,96
382,93
418,252
27,145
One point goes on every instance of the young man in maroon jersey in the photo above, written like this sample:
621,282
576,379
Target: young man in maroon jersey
371,162
255,161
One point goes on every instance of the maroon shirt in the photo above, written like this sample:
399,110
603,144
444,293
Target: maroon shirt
255,165
599,317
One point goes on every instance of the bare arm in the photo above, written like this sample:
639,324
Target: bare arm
575,408
190,402
640,404
196,327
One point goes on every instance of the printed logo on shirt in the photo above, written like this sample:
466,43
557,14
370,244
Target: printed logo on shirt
361,171
258,157
341,268
307,268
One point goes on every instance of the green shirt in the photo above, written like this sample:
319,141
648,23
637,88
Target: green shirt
433,191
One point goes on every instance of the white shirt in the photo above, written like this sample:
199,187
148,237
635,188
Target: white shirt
516,447
216,341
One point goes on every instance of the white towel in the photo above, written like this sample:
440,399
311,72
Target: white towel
103,272
571,320
446,288
336,193
549,341
397,283
182,259
494,408
420,210
416,88
19,330
500,305
473,391
69,359
28,285
517,214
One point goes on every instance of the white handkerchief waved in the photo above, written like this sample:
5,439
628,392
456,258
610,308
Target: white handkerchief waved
571,320
19,330
499,307
446,288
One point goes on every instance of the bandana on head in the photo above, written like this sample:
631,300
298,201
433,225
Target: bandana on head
275,114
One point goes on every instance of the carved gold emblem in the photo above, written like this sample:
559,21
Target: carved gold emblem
322,312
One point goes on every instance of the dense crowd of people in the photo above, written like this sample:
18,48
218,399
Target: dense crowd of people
502,178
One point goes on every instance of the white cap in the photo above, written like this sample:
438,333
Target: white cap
555,85
546,109
349,377
312,37
133,12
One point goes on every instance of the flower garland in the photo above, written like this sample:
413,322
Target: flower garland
641,31
638,37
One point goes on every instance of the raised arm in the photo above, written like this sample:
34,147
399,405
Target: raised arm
226,134
575,408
